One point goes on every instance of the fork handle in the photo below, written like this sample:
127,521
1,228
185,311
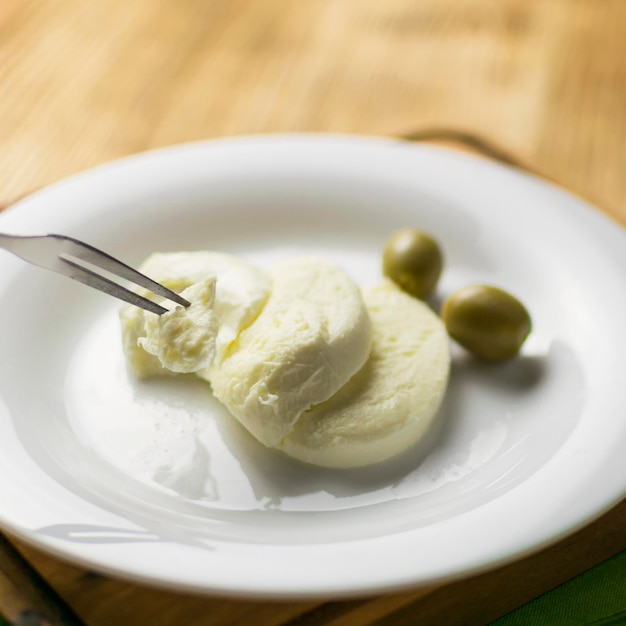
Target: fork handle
11,243
6,241
42,251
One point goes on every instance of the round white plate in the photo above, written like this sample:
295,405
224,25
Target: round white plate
153,481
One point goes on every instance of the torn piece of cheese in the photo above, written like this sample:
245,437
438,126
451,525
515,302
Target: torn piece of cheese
311,337
390,404
183,339
241,290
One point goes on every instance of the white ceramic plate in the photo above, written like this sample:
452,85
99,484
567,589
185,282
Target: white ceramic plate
153,481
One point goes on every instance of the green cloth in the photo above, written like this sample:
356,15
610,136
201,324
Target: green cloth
596,597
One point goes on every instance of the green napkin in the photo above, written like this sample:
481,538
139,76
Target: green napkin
596,597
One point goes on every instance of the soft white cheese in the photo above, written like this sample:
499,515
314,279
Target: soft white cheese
391,402
241,290
307,362
310,338
183,339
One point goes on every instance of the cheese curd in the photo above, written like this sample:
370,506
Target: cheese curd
305,360
241,290
392,401
311,337
183,339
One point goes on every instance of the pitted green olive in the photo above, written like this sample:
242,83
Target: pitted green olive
487,321
413,260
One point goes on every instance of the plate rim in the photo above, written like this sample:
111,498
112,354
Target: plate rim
294,139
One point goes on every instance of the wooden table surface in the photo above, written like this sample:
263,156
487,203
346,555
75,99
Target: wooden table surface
86,81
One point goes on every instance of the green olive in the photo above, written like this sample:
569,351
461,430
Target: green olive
413,260
487,321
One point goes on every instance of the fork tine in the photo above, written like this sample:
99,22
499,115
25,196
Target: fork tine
90,278
89,254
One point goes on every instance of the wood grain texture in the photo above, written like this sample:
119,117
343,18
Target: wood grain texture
86,81
83,81
25,595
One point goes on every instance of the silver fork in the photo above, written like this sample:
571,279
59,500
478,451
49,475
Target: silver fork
82,262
